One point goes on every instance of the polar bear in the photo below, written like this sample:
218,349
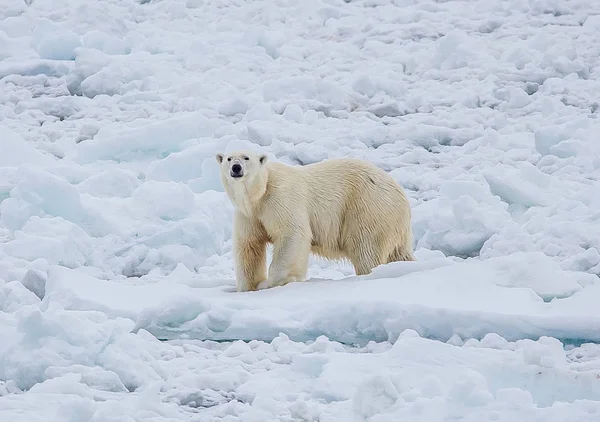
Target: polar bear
338,209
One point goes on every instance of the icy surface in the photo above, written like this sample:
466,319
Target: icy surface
117,298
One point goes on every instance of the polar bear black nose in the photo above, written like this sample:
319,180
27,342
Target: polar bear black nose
236,169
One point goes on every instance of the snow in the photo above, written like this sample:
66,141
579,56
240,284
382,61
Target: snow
117,299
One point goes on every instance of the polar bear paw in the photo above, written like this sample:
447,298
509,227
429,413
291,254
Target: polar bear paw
264,285
267,284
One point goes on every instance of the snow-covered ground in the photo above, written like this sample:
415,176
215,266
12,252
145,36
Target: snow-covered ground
116,274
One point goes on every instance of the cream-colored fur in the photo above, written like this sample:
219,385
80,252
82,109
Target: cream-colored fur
340,208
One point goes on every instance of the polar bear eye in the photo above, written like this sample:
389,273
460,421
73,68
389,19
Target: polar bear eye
229,159
246,158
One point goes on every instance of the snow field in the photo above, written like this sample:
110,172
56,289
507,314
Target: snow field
320,380
116,274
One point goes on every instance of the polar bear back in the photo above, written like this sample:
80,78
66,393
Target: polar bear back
343,199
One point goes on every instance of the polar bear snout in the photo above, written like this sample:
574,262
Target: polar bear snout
236,170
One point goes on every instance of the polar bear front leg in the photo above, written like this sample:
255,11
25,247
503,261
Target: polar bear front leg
290,260
250,252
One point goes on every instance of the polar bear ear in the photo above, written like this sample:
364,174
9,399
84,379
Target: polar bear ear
262,158
219,158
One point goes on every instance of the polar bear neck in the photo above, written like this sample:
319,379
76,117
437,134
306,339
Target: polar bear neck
246,196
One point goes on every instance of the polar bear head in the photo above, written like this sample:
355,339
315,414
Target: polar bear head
241,165
244,176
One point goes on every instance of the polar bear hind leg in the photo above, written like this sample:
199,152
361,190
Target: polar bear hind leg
401,253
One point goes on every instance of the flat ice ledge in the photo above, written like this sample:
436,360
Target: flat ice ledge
438,299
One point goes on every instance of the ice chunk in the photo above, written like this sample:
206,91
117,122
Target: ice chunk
306,88
55,239
234,106
15,151
538,272
547,352
166,200
454,50
15,296
376,395
56,338
546,138
259,135
156,138
211,177
515,190
459,226
40,193
35,281
107,43
185,165
364,85
110,183
55,42
294,113
572,139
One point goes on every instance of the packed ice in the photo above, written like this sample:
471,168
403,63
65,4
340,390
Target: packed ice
117,290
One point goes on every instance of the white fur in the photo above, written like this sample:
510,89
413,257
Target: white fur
342,208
